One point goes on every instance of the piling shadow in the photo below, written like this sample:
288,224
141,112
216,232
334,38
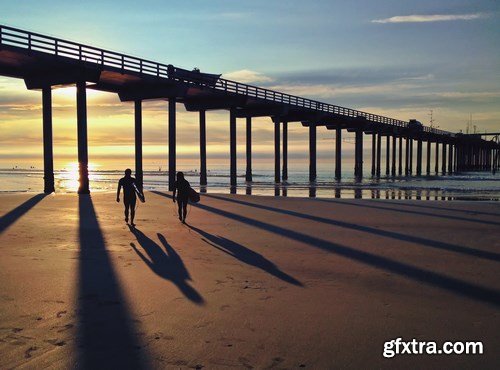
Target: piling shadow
389,234
413,205
11,217
166,263
420,213
456,286
106,336
245,255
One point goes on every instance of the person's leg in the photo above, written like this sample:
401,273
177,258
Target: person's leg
127,206
179,205
184,210
132,210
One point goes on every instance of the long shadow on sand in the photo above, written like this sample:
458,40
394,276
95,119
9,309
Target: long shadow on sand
11,217
106,338
389,234
444,209
165,263
420,213
245,255
431,278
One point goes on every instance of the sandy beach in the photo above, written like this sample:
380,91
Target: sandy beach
250,282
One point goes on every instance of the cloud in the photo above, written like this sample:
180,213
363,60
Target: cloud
247,76
419,18
427,77
326,91
361,75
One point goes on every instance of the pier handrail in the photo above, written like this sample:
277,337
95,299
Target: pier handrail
101,57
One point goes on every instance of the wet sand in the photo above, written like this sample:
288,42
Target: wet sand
252,281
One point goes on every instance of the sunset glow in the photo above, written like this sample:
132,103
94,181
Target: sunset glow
427,74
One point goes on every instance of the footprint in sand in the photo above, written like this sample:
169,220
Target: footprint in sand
159,335
265,298
56,342
181,363
245,363
62,328
27,353
277,361
60,314
16,340
202,324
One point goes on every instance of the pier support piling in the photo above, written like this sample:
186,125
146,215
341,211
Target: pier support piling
428,159
400,159
379,149
203,148
139,177
450,158
443,159
358,166
436,167
48,152
232,148
387,155
312,152
172,145
277,158
285,151
411,156
83,157
338,153
393,169
419,157
248,172
374,149
407,157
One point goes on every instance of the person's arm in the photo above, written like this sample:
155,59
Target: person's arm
118,191
175,191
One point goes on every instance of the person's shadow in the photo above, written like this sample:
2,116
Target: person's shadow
166,263
245,255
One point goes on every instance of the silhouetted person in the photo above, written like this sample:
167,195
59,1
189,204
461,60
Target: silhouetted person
181,187
129,197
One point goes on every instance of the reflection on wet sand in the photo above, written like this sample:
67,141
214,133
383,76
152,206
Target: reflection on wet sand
337,191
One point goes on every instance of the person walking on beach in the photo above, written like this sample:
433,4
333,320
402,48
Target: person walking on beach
181,188
129,195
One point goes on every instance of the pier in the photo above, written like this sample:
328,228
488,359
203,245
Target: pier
45,62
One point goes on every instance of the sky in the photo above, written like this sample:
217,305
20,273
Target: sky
396,58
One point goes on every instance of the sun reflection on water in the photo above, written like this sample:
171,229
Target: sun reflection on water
68,178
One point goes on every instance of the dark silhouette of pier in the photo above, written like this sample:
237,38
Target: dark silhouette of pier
44,62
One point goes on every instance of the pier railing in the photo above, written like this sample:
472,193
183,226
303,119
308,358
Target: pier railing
100,57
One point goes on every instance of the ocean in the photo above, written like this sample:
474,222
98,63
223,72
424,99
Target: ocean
463,186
